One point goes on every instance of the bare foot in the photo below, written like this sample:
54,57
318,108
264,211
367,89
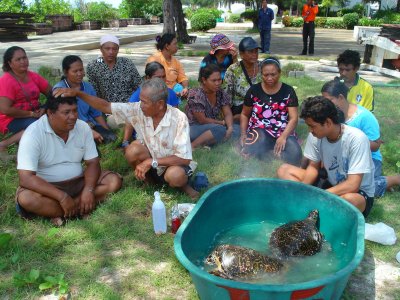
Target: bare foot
57,222
192,193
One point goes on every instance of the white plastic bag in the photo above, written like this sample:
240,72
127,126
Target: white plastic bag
380,233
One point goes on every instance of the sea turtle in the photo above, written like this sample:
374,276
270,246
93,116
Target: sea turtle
236,262
298,238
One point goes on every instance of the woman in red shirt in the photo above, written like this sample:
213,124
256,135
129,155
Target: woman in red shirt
19,97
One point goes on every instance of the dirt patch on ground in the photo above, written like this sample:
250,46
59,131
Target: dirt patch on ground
374,279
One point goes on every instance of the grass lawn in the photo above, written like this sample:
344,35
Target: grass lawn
115,253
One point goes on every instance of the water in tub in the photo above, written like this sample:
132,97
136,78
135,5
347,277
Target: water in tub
296,270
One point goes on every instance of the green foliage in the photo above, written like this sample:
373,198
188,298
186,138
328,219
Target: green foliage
21,279
335,23
13,6
100,11
234,18
43,8
141,8
211,11
370,22
320,22
56,283
203,22
292,66
188,12
249,14
388,16
350,20
297,22
287,21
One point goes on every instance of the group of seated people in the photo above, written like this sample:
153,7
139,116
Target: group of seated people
242,100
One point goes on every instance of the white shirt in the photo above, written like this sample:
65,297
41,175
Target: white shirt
171,137
42,151
350,155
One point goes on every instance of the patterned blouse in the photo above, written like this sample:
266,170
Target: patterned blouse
198,102
116,84
235,83
270,112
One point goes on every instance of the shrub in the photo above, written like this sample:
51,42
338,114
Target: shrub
336,23
297,22
203,21
320,22
388,16
292,66
188,12
350,20
287,21
370,22
212,11
234,18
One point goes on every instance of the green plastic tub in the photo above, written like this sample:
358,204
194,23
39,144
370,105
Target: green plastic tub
255,200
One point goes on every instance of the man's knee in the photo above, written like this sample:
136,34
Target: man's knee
136,152
113,181
175,176
29,200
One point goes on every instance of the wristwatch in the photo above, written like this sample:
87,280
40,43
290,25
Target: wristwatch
154,163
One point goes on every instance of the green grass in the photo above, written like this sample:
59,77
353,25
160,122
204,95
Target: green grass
115,254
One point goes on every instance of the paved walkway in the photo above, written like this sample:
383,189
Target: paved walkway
138,42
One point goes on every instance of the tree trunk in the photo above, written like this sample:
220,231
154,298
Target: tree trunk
168,17
181,31
398,6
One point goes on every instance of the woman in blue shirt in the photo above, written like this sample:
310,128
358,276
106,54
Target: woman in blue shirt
74,72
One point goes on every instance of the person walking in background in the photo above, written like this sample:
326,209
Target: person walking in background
19,97
360,91
223,53
265,17
309,12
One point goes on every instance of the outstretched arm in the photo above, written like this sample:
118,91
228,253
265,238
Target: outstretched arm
93,101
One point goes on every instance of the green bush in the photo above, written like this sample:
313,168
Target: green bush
336,23
249,14
188,12
203,21
297,22
320,22
287,21
370,22
350,20
358,8
234,18
292,66
388,16
212,11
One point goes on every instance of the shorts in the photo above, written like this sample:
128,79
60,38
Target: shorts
369,202
379,180
237,109
159,179
19,124
73,187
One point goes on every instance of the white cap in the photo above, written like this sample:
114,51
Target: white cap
109,38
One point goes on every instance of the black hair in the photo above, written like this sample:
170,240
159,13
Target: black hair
53,103
8,55
152,67
349,57
68,61
335,88
271,61
319,109
164,40
206,71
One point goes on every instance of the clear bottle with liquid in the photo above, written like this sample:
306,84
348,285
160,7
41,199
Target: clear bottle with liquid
159,215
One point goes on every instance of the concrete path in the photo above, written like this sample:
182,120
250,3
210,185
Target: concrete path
138,42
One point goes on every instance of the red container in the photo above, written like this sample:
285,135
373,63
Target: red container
175,223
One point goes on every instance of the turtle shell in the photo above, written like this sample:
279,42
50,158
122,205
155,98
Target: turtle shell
298,238
236,262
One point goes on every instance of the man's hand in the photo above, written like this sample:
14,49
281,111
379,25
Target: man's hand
142,168
97,136
64,92
68,205
87,201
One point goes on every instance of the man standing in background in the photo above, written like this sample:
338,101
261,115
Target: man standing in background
310,11
265,17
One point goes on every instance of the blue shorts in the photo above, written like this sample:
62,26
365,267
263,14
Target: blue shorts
380,181
17,125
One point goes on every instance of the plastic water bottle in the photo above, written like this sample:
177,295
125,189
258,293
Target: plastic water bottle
159,215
